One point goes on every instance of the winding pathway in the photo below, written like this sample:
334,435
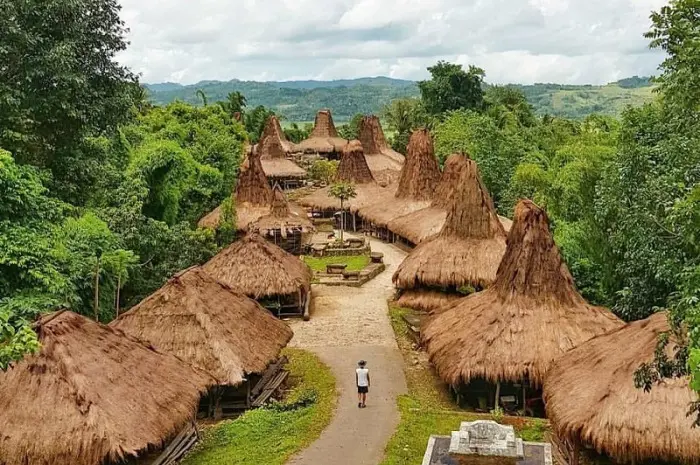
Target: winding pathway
348,324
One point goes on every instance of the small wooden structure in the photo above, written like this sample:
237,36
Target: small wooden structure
468,250
278,280
593,403
286,227
274,151
510,334
93,396
212,327
324,139
419,178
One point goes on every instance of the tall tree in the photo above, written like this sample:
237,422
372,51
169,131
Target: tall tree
452,88
342,191
59,82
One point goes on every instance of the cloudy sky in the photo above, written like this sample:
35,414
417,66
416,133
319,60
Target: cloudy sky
515,41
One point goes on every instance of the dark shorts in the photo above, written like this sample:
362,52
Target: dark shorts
362,389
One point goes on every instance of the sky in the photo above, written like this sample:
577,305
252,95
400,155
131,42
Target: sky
514,41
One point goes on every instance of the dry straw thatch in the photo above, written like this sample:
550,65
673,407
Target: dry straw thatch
591,399
259,269
282,217
353,169
384,162
252,199
468,249
273,149
92,395
529,317
324,138
209,326
427,300
419,178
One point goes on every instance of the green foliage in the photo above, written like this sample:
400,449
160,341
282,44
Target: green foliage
402,116
353,263
272,435
59,83
342,191
324,170
452,88
297,134
255,122
509,107
351,130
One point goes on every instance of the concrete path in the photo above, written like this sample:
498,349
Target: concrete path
349,324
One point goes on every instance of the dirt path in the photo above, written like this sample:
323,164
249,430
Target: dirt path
349,324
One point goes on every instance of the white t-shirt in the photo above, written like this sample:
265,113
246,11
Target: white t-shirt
362,377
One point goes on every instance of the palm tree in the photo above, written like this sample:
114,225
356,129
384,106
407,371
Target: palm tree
203,96
342,191
236,102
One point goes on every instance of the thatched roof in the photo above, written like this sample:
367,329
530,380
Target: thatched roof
252,198
324,137
273,149
424,224
259,269
282,218
353,168
469,248
209,326
591,398
529,317
92,395
427,300
419,178
384,162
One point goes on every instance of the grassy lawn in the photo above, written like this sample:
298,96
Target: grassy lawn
428,409
272,435
354,263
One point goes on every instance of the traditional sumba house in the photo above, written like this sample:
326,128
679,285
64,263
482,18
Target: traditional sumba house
419,178
273,150
352,169
211,327
278,280
466,253
287,227
252,199
324,139
93,396
384,162
593,403
510,334
416,227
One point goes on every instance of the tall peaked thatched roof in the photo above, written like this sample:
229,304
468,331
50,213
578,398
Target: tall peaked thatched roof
353,168
273,149
384,162
419,178
282,217
208,325
591,398
468,249
252,198
259,269
529,317
92,395
324,136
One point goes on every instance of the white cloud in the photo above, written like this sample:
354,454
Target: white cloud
523,41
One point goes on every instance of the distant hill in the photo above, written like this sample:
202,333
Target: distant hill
299,100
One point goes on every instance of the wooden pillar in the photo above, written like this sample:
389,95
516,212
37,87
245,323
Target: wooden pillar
498,394
218,411
247,396
575,453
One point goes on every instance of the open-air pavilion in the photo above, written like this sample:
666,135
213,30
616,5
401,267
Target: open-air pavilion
214,328
594,405
495,347
279,281
93,395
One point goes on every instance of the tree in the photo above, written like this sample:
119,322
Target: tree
509,107
403,116
452,88
351,130
342,191
235,103
296,134
60,82
118,263
324,171
203,96
255,122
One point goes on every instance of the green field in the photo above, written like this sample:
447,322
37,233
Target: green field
354,263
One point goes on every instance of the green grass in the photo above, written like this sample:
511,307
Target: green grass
354,263
272,435
428,409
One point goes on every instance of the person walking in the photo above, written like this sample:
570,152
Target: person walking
363,383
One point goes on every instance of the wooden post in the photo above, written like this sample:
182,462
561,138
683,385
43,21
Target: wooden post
247,396
218,411
498,394
96,305
524,396
575,453
354,222
116,303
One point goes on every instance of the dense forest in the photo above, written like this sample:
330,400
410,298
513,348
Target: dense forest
299,100
100,190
